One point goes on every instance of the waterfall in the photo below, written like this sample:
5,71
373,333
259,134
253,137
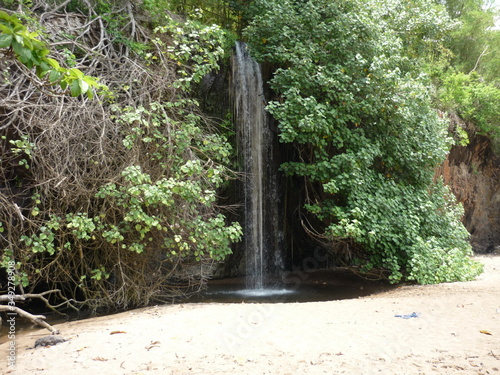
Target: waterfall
262,234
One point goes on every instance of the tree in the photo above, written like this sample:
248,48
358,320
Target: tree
358,110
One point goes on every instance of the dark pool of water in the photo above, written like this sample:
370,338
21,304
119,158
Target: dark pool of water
322,285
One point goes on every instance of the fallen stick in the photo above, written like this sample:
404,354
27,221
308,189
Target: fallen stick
35,319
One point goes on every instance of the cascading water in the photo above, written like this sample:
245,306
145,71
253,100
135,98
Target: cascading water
264,211
263,236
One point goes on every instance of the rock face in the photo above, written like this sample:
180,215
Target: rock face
473,173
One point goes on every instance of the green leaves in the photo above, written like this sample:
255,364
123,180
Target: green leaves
5,40
33,53
473,99
173,207
197,49
132,218
140,208
170,206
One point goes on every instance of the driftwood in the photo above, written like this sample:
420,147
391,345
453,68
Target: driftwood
36,319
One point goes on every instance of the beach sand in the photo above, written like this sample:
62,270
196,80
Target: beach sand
457,331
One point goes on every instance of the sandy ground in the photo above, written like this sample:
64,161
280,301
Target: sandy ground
356,336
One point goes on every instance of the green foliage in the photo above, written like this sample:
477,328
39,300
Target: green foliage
7,262
149,208
11,4
467,83
220,12
196,49
174,208
16,40
23,147
171,212
421,26
352,100
474,100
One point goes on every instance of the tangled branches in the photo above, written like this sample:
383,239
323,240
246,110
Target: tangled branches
110,200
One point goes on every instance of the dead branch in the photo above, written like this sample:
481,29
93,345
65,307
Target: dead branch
60,6
479,58
35,319
25,296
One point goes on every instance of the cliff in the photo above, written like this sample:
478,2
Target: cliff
473,172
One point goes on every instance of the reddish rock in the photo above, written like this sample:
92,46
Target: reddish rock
473,173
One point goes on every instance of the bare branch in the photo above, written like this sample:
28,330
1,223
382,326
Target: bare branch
479,58
36,319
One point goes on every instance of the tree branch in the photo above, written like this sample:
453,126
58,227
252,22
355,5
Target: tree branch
479,58
36,319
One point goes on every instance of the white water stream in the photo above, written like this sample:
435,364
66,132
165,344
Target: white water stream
260,186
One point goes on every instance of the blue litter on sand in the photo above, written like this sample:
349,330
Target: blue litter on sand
408,316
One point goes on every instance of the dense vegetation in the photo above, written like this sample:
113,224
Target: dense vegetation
110,199
466,77
110,170
355,102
